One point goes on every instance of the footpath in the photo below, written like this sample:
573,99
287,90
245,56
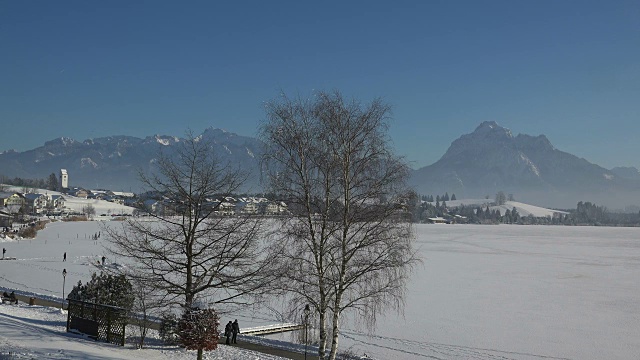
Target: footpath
243,344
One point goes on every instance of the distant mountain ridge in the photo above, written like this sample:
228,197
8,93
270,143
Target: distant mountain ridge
491,159
476,165
113,162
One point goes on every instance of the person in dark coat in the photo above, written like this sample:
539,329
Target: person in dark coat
13,298
64,257
236,331
228,330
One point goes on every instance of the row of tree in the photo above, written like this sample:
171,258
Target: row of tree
346,245
438,198
50,183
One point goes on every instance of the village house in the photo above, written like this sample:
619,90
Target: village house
56,201
247,206
36,203
273,208
154,207
225,208
12,201
80,193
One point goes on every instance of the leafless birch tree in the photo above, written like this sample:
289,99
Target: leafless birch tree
194,252
348,242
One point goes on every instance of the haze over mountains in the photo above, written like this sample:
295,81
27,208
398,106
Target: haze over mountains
479,164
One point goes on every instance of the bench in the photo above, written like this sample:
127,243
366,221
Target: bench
8,300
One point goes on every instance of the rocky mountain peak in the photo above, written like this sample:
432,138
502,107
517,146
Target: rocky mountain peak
491,129
491,159
61,141
538,143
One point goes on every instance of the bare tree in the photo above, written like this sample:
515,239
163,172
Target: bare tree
145,305
194,253
348,242
89,210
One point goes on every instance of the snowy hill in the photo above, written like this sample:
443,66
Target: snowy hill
523,209
526,209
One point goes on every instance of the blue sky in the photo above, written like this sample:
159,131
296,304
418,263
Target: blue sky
85,69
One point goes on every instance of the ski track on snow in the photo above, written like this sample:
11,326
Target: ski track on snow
439,351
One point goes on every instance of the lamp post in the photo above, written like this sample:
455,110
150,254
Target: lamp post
64,277
307,310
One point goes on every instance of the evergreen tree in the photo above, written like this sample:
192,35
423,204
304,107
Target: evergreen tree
453,197
446,196
105,289
507,217
515,217
52,182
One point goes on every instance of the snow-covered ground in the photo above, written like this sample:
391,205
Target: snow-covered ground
483,291
101,207
37,332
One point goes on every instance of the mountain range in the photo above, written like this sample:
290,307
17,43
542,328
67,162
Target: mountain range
491,159
114,162
479,164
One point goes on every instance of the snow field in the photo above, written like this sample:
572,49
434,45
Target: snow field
482,292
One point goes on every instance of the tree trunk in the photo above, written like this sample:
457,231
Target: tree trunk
335,330
322,345
199,354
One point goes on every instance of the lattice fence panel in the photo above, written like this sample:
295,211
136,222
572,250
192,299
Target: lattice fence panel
111,320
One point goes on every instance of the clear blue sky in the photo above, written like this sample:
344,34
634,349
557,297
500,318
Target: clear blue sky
85,69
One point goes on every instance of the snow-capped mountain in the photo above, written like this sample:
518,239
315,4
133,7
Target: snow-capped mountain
476,165
491,159
113,162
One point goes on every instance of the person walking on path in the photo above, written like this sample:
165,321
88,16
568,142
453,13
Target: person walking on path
3,251
236,331
228,330
64,257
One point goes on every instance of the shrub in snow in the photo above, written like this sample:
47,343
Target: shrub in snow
169,329
198,330
105,289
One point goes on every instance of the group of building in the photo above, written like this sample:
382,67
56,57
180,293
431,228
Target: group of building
12,203
223,206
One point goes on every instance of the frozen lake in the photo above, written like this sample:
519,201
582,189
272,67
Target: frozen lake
483,292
